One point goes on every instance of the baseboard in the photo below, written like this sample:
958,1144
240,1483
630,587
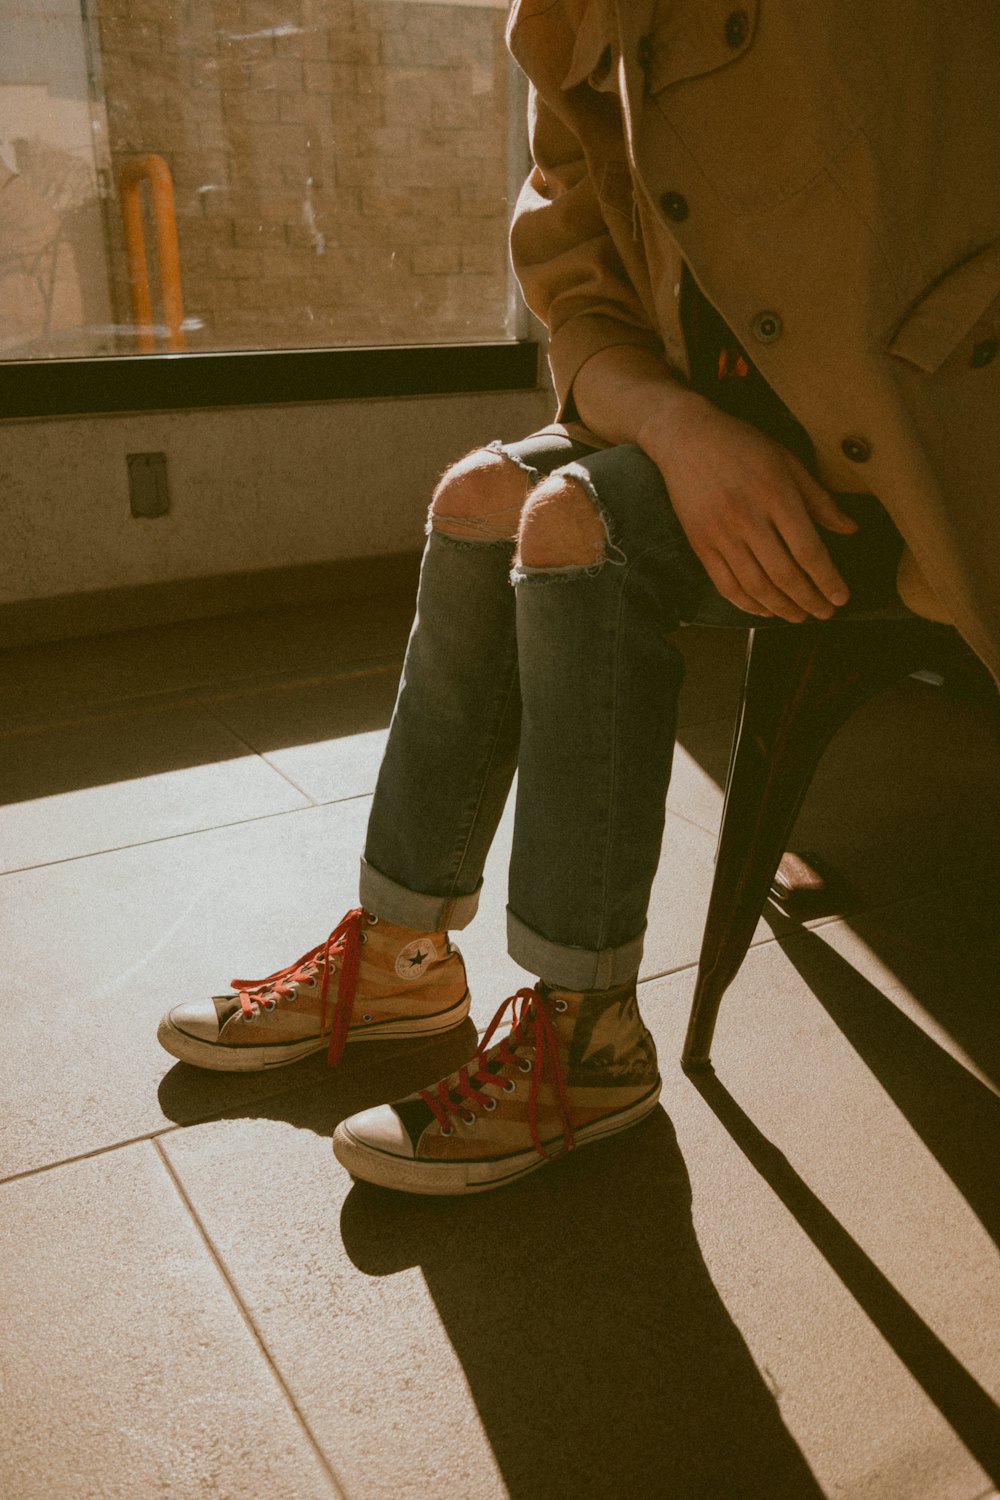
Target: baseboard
27,622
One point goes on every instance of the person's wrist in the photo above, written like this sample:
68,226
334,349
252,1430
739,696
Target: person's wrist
665,423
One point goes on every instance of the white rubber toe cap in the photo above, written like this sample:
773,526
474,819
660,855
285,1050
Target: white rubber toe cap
381,1129
197,1018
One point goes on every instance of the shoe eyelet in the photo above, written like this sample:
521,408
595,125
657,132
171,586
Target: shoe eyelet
560,1005
362,937
367,1018
372,921
524,1064
510,1086
248,1019
449,1130
467,1117
490,1105
309,984
269,1004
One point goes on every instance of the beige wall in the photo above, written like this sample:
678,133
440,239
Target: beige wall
250,488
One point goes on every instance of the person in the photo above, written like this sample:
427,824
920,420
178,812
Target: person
765,243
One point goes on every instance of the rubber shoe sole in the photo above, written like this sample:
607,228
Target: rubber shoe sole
454,1178
221,1059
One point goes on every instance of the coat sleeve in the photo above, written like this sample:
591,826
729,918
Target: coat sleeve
565,259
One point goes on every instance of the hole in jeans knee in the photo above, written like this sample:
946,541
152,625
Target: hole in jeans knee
480,498
561,527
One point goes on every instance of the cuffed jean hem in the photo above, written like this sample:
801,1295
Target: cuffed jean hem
384,898
572,968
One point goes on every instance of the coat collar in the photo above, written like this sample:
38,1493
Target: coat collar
594,34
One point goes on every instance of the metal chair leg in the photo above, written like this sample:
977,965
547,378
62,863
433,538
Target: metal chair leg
799,687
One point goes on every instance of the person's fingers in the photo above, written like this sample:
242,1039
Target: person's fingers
724,580
772,556
795,521
808,556
757,584
820,504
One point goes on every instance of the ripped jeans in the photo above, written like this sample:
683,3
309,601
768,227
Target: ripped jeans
570,677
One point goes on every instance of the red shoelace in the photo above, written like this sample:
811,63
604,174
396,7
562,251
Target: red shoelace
345,940
532,1026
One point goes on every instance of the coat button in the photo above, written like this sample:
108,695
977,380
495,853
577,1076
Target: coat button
984,353
737,26
645,52
675,206
856,449
767,327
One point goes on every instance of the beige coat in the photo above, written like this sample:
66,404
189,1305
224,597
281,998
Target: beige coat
830,171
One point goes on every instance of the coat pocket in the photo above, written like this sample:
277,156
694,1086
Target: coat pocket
694,37
761,108
966,300
593,58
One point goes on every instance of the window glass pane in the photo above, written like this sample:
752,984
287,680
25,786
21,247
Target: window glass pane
253,174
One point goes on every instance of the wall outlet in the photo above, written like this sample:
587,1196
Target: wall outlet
149,495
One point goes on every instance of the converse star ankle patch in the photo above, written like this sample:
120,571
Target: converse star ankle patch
412,960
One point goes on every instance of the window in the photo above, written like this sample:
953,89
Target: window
223,175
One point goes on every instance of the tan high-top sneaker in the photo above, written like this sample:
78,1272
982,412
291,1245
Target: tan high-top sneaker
574,1068
392,983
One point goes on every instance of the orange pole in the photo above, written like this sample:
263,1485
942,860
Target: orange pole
135,256
154,170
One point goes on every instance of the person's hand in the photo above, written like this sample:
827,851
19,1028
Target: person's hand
749,509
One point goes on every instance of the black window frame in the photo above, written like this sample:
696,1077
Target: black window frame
117,385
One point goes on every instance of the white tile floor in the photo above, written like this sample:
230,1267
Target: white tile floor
785,1286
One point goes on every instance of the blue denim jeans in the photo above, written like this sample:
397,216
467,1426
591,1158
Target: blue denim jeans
571,677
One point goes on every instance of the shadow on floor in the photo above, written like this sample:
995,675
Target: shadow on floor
955,1115
961,1400
310,1095
599,1355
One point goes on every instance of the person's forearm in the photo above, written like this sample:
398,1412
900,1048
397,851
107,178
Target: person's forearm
628,395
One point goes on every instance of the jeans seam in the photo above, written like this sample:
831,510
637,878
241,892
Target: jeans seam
469,823
673,551
612,793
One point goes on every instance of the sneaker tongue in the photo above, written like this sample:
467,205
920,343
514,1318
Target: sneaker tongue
416,1116
226,1007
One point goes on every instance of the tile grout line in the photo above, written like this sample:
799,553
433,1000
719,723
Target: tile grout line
338,1486
70,1161
257,754
212,1117
195,695
713,833
186,833
376,666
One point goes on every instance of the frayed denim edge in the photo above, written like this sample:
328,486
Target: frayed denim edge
462,543
613,554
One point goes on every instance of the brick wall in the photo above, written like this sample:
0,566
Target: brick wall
340,168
